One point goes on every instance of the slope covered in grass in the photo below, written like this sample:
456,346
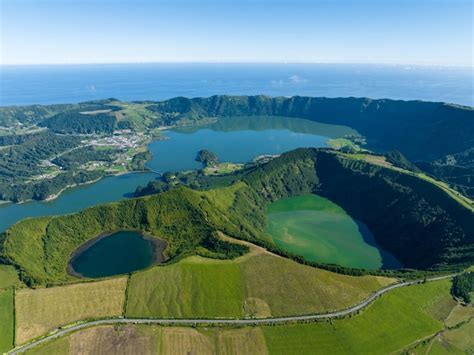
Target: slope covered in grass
41,247
285,287
8,276
257,285
391,323
402,211
194,288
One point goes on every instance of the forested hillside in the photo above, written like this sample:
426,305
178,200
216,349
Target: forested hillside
415,220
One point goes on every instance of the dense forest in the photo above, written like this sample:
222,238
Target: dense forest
463,286
437,137
422,131
75,122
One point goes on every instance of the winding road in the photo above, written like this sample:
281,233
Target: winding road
224,321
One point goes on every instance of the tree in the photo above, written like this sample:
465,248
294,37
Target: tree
207,158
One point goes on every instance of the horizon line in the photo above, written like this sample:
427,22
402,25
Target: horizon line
243,62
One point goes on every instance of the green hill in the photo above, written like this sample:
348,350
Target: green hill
415,220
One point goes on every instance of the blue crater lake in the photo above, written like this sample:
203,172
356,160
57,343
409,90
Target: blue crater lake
232,139
115,254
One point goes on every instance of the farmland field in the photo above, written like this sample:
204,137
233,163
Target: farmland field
394,321
284,287
195,287
319,230
6,320
259,285
39,311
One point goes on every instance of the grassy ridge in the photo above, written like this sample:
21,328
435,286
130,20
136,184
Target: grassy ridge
286,287
254,285
401,210
176,216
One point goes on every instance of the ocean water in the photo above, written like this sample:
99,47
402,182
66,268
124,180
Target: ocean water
48,84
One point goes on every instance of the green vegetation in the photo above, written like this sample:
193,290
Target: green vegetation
194,288
400,209
257,285
8,276
391,323
272,284
319,230
17,161
6,320
420,130
57,347
207,158
91,119
177,216
42,310
463,286
77,157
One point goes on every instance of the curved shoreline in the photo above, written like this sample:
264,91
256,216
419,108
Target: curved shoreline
158,245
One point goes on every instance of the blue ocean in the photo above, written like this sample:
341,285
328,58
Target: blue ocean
48,84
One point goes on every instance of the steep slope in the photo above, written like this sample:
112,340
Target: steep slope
420,130
415,220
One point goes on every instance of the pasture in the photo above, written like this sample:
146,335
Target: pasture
392,322
284,287
42,310
6,320
8,277
258,284
195,287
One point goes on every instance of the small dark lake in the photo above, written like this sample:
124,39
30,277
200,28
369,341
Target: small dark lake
118,253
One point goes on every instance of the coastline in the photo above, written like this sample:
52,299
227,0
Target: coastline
54,196
58,194
159,246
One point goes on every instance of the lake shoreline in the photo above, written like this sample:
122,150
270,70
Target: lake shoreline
159,246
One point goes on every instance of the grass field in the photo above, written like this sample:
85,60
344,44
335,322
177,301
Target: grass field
390,325
259,284
195,287
319,230
241,341
6,320
460,314
8,276
57,347
39,311
176,341
397,319
285,287
461,338
457,338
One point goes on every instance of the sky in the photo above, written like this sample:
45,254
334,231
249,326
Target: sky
424,32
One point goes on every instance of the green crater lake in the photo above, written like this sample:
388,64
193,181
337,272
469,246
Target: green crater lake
321,231
118,253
